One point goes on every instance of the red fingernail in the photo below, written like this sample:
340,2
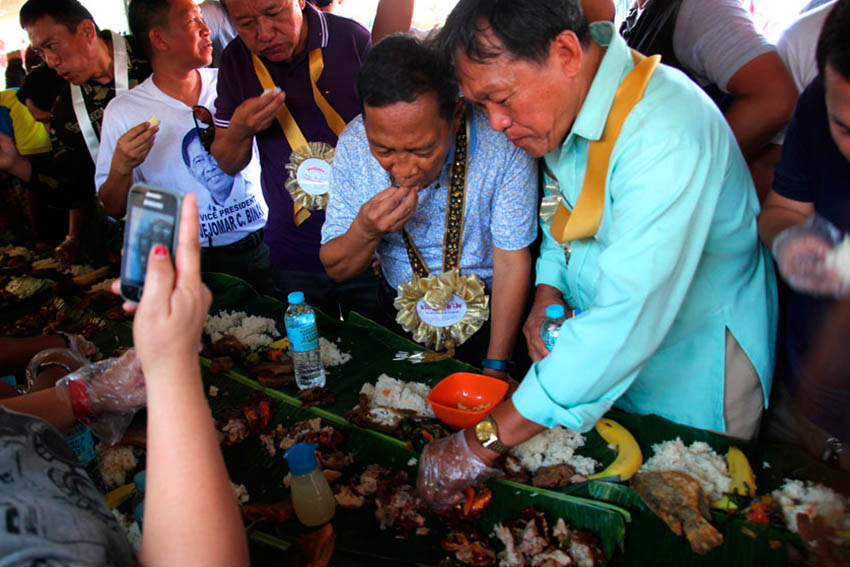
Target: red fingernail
160,251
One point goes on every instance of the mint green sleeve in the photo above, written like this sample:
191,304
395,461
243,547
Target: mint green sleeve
660,209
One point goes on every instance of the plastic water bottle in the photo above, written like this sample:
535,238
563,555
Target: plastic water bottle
303,336
555,317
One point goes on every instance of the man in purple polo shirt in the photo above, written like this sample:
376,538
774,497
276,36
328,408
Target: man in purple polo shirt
289,39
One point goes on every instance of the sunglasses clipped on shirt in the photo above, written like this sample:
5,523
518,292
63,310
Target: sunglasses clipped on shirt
202,115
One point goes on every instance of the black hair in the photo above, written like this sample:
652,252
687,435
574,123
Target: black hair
224,4
834,43
524,28
69,13
401,68
143,16
15,73
31,59
190,137
42,85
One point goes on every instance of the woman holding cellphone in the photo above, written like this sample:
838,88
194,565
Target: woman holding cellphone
54,513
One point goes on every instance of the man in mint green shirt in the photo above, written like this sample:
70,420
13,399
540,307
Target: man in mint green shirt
677,296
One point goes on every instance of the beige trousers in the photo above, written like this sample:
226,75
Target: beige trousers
743,399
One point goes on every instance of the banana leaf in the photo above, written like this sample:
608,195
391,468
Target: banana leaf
372,347
744,543
249,463
648,542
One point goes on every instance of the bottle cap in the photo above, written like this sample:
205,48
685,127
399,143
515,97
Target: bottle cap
555,311
295,297
301,458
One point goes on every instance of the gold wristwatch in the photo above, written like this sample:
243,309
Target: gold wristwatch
487,433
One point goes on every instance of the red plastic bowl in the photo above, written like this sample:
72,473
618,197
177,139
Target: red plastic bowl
470,391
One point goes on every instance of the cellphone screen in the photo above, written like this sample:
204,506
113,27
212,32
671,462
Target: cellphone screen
147,228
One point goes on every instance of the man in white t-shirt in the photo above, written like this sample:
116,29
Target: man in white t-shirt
797,47
181,96
717,45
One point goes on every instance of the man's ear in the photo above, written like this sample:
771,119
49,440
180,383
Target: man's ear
87,28
158,42
567,52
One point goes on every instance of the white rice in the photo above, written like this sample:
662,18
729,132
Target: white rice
252,331
389,392
331,355
839,258
114,464
796,497
241,493
699,461
554,447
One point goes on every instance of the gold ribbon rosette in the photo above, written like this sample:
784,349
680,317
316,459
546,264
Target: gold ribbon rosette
442,310
309,175
309,164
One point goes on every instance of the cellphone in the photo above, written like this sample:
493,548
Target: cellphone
153,217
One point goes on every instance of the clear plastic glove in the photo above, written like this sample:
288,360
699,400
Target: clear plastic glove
801,253
68,251
446,468
80,345
65,358
107,392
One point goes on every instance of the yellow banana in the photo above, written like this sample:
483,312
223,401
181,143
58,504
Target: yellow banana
629,458
743,479
92,277
119,495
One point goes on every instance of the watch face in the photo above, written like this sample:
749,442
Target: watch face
485,430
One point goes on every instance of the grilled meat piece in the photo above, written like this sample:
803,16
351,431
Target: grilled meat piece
553,476
346,498
227,345
276,512
221,364
316,397
678,499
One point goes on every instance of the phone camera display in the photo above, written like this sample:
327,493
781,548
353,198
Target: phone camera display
147,229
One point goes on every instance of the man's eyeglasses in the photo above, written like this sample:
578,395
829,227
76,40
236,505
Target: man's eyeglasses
207,133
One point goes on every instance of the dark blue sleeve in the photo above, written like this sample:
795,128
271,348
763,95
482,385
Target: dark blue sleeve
795,176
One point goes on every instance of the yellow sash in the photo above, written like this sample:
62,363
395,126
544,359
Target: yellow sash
290,128
583,221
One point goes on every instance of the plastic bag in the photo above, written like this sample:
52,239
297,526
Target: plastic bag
65,358
446,468
110,391
805,256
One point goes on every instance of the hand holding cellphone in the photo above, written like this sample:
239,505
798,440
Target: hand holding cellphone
153,217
